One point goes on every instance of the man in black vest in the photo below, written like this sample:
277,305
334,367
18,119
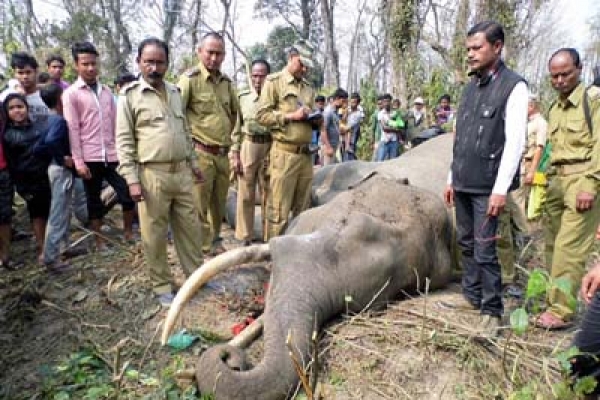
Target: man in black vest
491,126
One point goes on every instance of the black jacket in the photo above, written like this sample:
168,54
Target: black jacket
480,136
28,171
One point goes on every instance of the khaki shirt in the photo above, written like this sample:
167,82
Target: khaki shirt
246,123
537,129
150,130
210,105
283,94
572,142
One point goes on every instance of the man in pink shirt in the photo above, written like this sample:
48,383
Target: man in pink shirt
90,111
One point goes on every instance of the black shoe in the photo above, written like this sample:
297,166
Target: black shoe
513,291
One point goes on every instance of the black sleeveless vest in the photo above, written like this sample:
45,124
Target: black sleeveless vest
480,136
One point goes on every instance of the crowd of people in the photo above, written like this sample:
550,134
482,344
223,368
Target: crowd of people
169,151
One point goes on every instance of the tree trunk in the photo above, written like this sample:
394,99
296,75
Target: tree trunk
332,67
458,52
305,9
352,82
195,28
172,10
403,43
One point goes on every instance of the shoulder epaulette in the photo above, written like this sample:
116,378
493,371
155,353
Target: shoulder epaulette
190,73
593,92
273,76
128,87
226,77
244,92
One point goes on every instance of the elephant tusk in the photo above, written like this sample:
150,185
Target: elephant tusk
205,273
248,335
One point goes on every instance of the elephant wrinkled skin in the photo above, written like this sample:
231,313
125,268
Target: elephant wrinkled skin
379,238
426,166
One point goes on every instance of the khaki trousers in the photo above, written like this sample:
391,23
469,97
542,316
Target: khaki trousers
569,237
505,245
211,196
255,163
168,200
519,215
290,188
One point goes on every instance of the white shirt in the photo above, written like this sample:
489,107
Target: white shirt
384,117
515,132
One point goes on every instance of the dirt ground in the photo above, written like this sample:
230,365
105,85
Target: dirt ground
92,333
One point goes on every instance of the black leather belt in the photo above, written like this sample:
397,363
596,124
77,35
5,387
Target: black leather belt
260,139
214,150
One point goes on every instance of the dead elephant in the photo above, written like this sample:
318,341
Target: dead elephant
425,166
361,249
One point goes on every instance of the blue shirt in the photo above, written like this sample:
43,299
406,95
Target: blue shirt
55,140
331,119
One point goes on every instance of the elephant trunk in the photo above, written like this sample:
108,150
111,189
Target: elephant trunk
222,370
294,300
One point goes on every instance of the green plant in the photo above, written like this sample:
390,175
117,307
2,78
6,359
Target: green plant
83,375
538,285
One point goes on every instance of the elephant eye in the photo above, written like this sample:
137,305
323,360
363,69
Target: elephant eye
224,356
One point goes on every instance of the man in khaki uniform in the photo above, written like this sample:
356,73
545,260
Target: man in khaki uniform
285,103
572,209
211,106
250,153
158,162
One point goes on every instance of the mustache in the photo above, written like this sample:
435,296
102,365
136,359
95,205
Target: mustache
155,75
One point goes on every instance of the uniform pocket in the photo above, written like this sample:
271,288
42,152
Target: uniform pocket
289,102
577,133
150,118
204,103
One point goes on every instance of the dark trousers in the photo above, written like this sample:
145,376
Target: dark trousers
350,152
476,236
93,187
587,340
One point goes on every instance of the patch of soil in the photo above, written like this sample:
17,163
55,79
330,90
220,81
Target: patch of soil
104,304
